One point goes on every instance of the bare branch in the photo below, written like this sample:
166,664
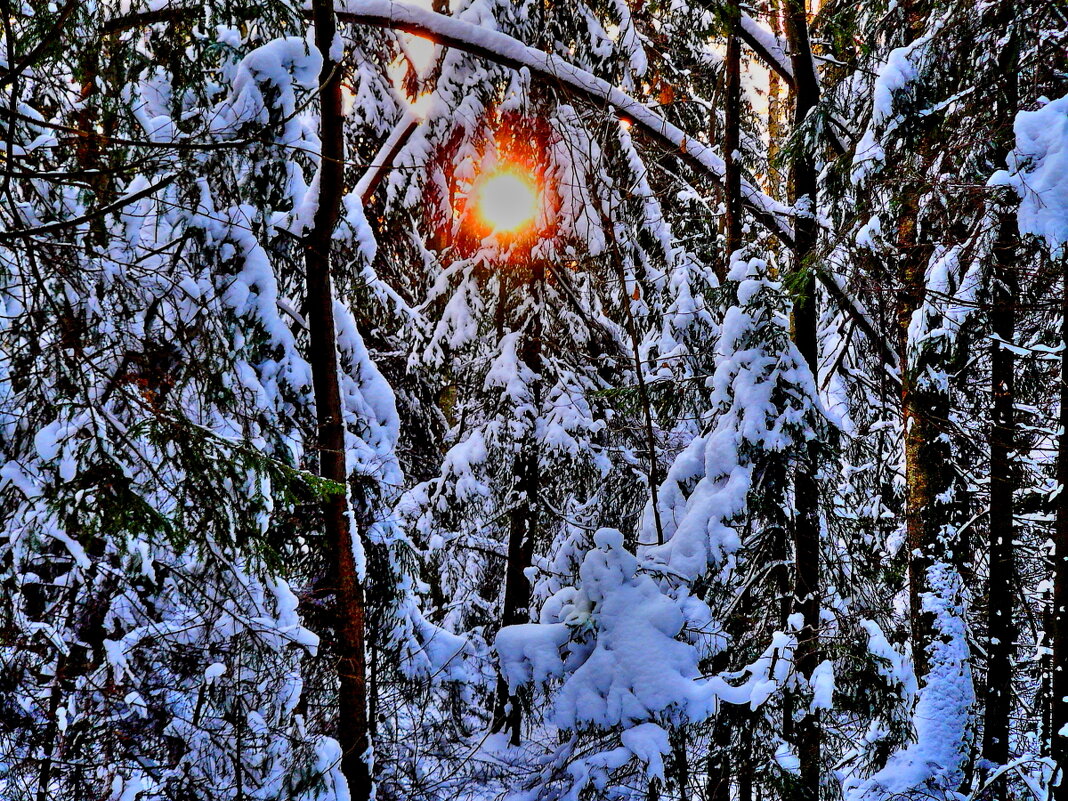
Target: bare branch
62,225
62,17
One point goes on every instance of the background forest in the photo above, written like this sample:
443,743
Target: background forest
731,469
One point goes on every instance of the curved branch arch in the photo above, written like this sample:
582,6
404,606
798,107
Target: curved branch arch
509,52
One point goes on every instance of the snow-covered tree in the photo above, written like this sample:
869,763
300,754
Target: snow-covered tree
483,399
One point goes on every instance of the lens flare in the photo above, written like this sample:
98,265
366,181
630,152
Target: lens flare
507,201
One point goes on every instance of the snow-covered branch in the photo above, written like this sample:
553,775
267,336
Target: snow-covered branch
775,54
768,47
510,52
371,178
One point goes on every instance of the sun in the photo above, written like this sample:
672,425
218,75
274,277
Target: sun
507,201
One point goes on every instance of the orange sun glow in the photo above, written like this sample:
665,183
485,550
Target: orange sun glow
507,201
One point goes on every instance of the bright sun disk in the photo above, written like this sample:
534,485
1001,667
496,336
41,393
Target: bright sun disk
507,201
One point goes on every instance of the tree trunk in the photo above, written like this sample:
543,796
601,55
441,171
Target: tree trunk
732,180
719,763
523,516
718,778
927,454
647,407
806,526
776,113
1001,628
924,407
338,524
745,761
1059,712
776,481
95,121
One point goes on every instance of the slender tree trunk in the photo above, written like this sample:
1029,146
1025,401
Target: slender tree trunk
926,453
339,526
718,778
719,762
776,480
732,180
1059,633
523,517
924,407
51,734
1045,672
776,113
678,769
745,760
806,526
647,408
1001,628
95,120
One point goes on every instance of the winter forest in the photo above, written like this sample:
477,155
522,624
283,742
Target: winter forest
529,400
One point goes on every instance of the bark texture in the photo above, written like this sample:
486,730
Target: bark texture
353,731
1059,713
806,525
732,180
523,516
924,406
1001,627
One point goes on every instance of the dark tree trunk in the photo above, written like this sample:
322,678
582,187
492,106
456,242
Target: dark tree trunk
1059,633
719,763
718,778
95,120
924,407
1001,628
350,648
806,527
745,760
732,181
523,516
776,481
